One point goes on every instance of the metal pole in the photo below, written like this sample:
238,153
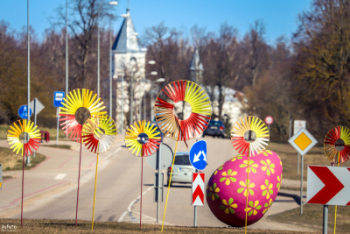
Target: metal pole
268,127
34,119
298,163
325,219
98,54
195,208
66,47
58,110
159,180
140,118
122,107
110,69
301,184
131,98
28,73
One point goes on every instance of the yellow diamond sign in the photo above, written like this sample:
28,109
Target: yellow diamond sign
302,141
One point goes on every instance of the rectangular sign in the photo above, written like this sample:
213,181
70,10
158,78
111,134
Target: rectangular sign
328,185
0,176
298,124
198,189
58,98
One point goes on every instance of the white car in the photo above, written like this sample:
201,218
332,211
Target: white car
183,169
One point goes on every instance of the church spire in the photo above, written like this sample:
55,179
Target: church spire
196,68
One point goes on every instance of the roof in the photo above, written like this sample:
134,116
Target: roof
126,40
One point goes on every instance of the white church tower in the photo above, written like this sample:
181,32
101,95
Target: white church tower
128,72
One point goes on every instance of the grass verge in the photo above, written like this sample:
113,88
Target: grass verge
12,161
67,226
289,157
6,177
313,217
59,146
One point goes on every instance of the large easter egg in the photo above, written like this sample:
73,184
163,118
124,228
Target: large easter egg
228,188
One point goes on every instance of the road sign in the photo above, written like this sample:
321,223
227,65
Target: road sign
22,112
302,141
198,189
268,120
58,98
166,156
198,155
298,124
38,106
328,185
0,176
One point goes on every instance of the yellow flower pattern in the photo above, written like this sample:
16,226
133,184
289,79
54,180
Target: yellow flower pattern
267,189
249,165
213,192
268,167
228,176
229,206
267,206
246,187
253,208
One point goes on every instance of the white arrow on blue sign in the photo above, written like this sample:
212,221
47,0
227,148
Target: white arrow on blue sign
23,112
198,155
58,98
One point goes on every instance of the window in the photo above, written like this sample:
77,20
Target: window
183,159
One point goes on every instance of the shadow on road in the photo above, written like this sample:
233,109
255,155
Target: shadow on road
294,196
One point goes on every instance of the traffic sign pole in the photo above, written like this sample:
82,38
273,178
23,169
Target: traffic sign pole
325,219
301,184
159,181
58,118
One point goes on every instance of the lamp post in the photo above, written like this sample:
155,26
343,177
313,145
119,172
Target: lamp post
28,74
133,64
66,47
111,3
156,81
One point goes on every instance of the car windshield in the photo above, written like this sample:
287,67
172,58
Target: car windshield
216,123
183,159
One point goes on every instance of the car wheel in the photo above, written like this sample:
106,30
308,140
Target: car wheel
203,135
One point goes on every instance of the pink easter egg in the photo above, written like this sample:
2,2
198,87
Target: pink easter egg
228,187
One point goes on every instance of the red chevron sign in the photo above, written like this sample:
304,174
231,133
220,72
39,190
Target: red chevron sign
328,185
198,189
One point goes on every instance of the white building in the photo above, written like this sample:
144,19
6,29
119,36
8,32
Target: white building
128,61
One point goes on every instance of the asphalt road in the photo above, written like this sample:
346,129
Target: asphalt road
48,195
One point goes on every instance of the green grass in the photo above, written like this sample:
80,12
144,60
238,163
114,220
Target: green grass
6,177
313,217
67,226
12,161
59,146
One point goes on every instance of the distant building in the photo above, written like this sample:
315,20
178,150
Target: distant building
128,60
196,68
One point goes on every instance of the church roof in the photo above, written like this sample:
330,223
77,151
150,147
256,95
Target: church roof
196,63
126,40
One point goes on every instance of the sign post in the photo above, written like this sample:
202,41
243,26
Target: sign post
37,106
23,113
302,141
0,176
268,121
58,102
198,158
298,124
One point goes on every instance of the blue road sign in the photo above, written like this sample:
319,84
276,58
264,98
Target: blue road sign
23,111
198,155
58,98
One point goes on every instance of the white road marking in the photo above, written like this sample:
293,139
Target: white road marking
131,204
117,150
60,176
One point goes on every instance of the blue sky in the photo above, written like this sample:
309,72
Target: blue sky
279,16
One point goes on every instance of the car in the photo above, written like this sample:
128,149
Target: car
183,169
215,128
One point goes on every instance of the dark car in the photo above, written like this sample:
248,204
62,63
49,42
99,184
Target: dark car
215,129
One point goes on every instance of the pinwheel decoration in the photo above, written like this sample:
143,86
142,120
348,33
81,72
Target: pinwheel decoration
182,129
80,105
99,135
196,97
334,155
243,126
142,139
249,125
30,131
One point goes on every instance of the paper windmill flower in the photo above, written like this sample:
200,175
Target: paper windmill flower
196,97
142,138
255,125
13,134
339,132
99,134
79,106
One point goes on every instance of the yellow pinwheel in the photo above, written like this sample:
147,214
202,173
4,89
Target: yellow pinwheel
196,97
13,135
99,133
244,125
79,106
142,138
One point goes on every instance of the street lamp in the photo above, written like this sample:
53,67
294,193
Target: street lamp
111,3
159,80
